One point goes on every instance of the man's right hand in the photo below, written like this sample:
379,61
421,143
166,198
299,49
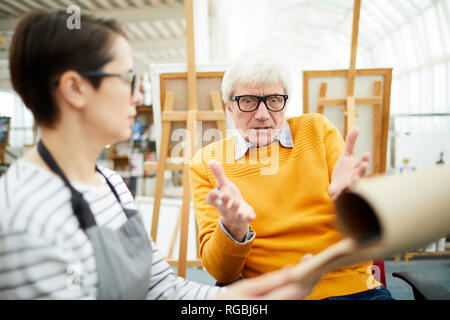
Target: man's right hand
275,285
235,212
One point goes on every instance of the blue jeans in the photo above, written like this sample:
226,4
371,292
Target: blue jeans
378,293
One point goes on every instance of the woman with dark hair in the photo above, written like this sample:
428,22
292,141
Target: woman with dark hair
70,229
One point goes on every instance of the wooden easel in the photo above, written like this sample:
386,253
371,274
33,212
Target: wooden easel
350,103
350,113
350,106
191,116
2,153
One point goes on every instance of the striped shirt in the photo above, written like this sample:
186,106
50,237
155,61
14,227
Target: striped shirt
44,254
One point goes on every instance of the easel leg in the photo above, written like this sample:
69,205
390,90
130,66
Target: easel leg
174,236
2,154
377,120
322,95
184,223
163,151
160,178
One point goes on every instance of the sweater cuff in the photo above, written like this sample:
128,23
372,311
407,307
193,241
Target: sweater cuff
250,235
229,246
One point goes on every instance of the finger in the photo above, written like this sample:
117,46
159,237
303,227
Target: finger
217,170
226,198
223,204
292,291
362,169
263,284
365,156
350,141
234,206
226,206
337,194
306,257
358,175
245,216
360,166
251,216
216,199
212,197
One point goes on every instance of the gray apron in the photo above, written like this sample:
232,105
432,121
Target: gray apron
123,256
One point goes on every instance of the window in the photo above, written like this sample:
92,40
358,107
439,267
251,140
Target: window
419,42
444,26
426,91
6,104
21,119
440,88
404,96
433,32
414,92
421,34
448,86
408,45
395,95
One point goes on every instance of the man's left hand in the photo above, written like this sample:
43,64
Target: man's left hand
348,169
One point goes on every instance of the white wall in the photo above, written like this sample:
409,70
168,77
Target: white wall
422,148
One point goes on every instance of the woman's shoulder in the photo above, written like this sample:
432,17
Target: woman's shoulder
24,187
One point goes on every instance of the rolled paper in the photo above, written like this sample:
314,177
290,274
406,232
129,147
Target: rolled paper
385,215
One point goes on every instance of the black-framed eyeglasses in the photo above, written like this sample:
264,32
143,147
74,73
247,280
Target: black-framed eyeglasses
129,76
273,102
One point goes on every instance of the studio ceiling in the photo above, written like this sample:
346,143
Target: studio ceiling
156,28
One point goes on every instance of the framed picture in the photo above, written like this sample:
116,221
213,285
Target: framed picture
5,125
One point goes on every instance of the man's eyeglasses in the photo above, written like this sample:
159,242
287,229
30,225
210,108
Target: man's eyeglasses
129,76
273,102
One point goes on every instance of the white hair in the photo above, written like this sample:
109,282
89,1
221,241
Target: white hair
255,68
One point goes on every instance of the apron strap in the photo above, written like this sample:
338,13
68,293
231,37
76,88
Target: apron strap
128,211
47,157
109,184
79,206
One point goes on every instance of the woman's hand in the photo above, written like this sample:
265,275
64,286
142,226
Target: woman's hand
235,213
348,169
277,285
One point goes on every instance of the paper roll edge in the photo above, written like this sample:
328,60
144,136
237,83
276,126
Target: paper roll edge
358,209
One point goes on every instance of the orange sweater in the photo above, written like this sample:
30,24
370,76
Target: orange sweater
288,189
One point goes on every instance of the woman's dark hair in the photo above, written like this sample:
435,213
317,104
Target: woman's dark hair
43,47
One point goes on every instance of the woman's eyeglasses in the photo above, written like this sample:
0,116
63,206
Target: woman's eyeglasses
274,102
129,76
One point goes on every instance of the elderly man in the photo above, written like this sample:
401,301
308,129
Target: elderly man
264,198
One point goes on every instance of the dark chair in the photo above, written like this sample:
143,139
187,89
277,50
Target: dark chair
423,287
